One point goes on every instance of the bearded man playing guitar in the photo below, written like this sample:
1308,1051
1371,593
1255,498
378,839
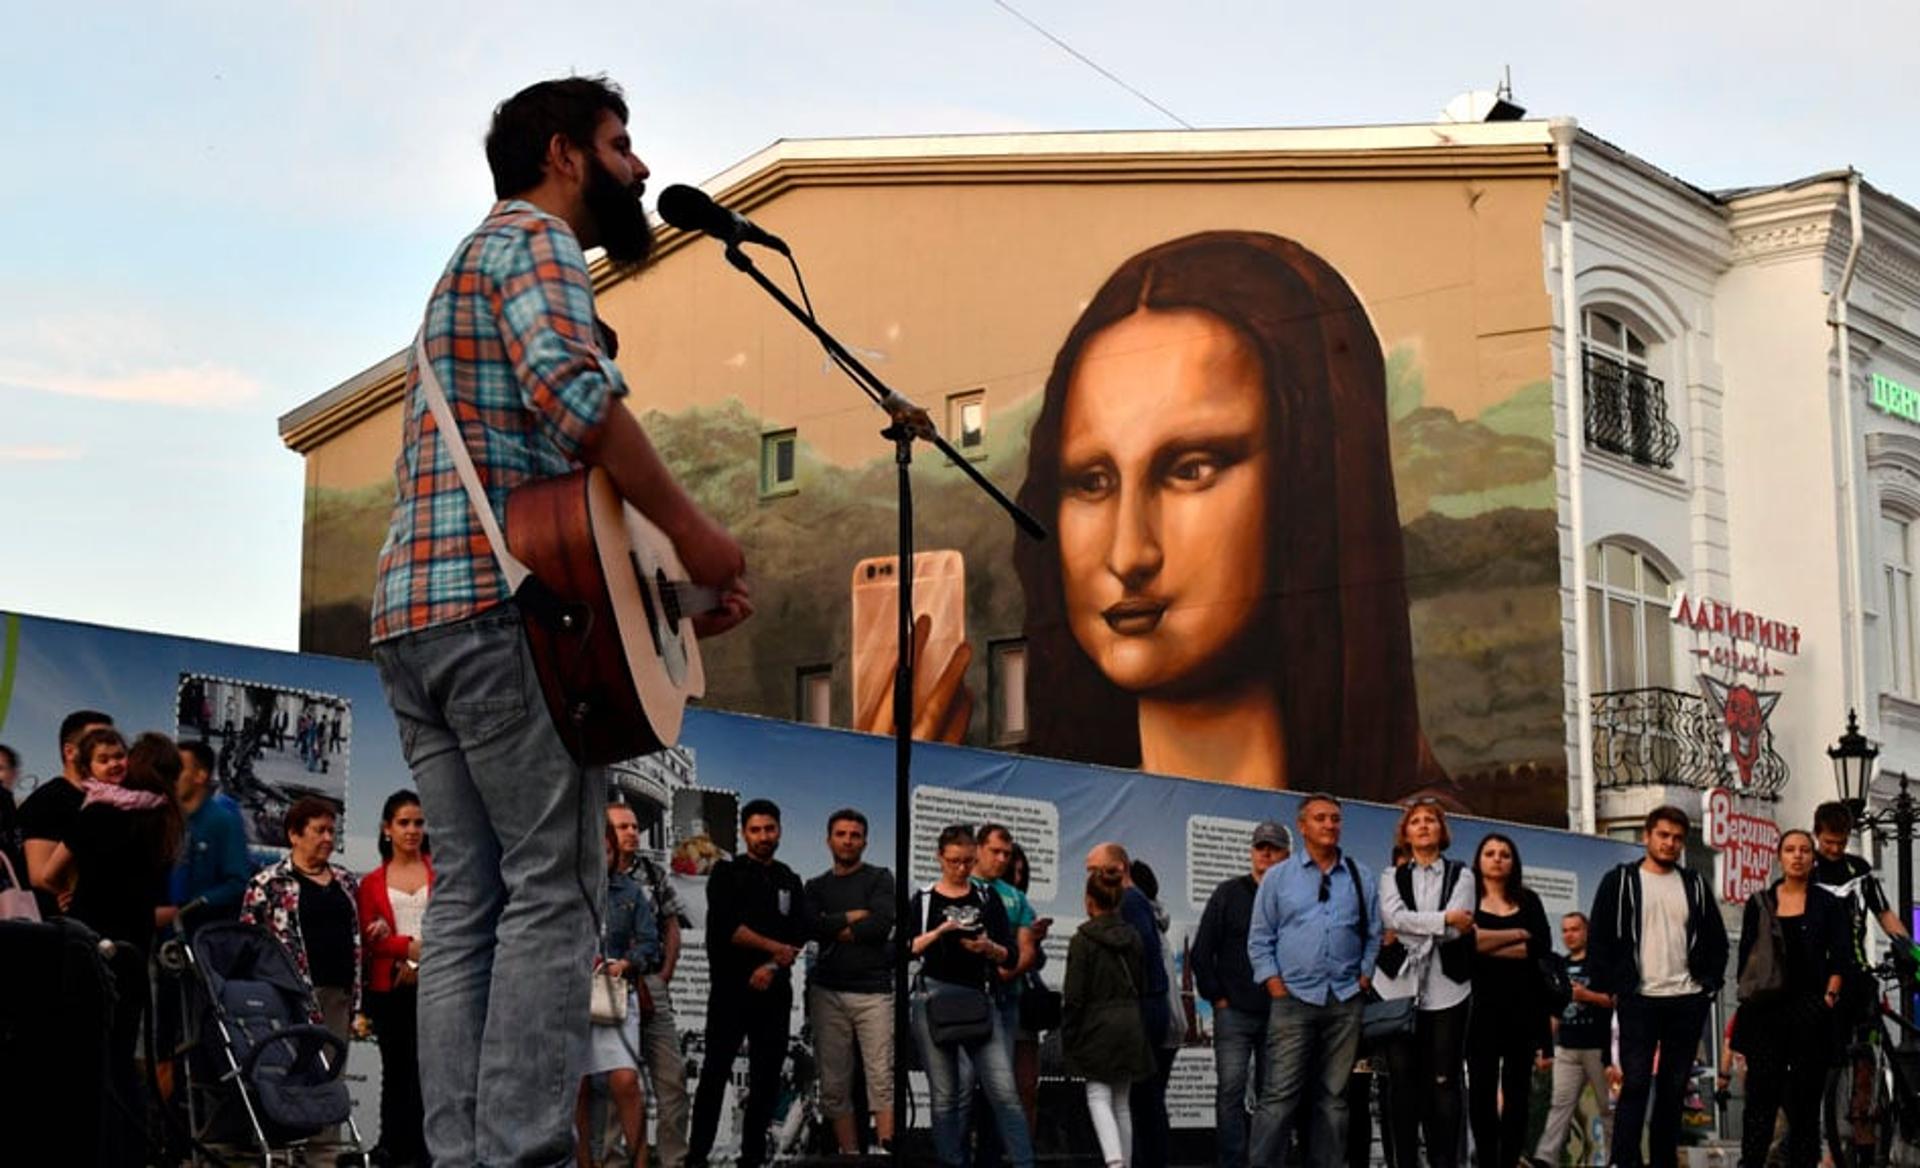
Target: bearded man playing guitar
527,370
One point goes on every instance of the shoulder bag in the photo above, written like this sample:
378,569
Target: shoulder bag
16,900
1763,975
957,1015
608,1003
1384,1019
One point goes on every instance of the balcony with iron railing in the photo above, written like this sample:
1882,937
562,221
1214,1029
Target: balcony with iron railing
1627,412
1666,737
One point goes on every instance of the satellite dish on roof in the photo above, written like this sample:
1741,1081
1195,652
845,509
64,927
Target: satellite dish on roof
1485,105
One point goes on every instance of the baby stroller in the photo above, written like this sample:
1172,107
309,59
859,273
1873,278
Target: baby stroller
257,1048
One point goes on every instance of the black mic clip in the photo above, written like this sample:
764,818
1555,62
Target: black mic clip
912,418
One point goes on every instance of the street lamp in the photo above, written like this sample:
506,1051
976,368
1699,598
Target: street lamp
1853,766
1853,759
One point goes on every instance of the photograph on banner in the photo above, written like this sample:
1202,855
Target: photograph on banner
1191,834
272,743
1298,473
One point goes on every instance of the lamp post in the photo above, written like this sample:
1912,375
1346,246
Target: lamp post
1853,757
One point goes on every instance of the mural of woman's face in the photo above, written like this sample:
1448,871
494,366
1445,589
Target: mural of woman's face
1163,483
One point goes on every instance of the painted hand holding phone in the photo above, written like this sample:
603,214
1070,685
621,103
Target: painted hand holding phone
942,704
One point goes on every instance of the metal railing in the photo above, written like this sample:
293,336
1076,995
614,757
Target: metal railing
1627,412
1666,737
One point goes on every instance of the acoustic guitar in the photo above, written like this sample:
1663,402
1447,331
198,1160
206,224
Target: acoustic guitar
609,616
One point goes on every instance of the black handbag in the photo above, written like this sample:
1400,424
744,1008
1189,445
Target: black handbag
1384,1019
957,1015
1041,1006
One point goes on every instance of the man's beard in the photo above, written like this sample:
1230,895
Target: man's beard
619,219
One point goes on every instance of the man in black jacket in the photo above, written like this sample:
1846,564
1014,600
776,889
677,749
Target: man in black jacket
1659,947
756,924
1224,974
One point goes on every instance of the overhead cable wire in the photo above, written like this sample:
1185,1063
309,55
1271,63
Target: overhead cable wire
1090,63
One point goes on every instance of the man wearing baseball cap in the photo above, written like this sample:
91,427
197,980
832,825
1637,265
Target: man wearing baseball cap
1224,974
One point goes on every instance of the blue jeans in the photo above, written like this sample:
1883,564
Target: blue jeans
1239,1041
987,1147
516,832
1310,1052
991,1062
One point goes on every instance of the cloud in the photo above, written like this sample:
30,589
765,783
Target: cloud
40,453
204,386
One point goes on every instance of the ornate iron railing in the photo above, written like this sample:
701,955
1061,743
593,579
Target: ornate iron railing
1664,737
1627,412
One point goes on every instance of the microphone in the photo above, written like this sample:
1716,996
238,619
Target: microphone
692,209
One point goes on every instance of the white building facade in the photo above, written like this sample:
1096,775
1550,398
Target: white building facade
1738,380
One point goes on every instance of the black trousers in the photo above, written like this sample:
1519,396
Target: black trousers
1501,1047
761,1020
1423,1092
1671,1028
1786,1045
396,1022
1147,1104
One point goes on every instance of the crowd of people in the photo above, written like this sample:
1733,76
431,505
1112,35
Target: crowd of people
1439,975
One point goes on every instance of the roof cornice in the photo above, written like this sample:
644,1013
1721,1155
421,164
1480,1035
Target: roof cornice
1492,150
1787,222
1644,207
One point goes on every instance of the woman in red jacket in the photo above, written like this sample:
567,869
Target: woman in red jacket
393,901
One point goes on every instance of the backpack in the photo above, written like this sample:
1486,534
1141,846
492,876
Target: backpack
1456,956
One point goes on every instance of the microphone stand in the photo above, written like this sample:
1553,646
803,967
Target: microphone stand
907,422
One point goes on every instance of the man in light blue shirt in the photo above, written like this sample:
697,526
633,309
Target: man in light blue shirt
1313,940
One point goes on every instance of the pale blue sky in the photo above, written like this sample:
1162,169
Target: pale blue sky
215,215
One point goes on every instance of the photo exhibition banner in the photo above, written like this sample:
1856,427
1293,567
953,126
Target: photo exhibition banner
289,724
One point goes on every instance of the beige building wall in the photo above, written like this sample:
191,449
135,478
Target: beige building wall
948,271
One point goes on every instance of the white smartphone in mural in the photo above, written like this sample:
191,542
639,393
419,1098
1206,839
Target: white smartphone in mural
939,593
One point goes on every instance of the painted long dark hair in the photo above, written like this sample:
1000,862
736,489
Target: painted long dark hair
1334,638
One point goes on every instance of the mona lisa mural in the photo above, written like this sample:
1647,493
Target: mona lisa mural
1227,573
1292,435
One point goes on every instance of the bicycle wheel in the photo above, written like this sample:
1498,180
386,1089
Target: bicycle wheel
1858,1121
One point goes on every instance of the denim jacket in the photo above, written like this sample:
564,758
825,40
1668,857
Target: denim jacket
633,933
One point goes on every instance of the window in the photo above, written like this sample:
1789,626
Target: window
777,451
1626,405
1629,639
967,422
1896,573
813,695
1007,687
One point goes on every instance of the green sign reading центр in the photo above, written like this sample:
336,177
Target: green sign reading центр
1890,397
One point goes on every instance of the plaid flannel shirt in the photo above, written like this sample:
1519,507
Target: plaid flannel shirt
512,335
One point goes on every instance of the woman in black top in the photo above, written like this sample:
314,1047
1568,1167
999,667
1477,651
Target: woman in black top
120,850
961,936
1784,1034
1503,1043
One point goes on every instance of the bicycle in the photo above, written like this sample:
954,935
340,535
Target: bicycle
1872,1104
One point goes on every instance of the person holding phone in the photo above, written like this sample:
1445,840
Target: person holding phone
962,939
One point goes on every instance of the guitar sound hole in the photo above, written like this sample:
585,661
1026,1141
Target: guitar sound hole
669,599
646,601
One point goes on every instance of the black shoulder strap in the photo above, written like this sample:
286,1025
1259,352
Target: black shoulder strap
1403,876
1447,882
1359,896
